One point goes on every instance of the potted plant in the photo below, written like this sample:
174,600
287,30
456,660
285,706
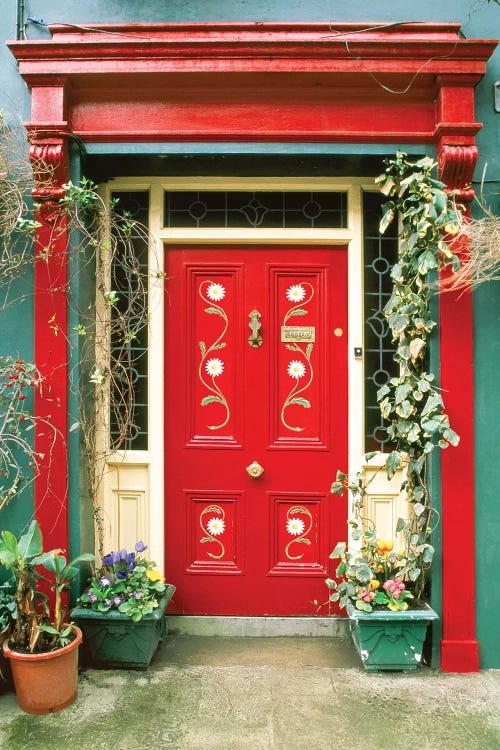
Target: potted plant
122,612
375,583
42,647
383,588
7,615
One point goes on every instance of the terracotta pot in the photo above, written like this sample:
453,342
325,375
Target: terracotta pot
46,682
5,673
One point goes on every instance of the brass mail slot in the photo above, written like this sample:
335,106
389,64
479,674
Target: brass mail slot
298,333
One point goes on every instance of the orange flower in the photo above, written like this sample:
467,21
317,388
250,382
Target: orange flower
384,547
374,584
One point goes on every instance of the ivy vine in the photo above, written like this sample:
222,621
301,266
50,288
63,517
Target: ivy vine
411,403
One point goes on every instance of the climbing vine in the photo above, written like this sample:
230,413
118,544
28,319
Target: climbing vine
110,319
411,403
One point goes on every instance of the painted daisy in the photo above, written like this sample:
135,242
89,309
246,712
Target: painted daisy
295,293
214,367
295,526
216,292
216,526
296,369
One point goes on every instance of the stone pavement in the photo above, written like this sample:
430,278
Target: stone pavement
214,693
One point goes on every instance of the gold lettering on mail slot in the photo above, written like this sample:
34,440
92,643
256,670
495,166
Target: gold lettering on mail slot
298,333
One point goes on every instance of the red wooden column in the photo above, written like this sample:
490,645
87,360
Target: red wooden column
459,647
49,157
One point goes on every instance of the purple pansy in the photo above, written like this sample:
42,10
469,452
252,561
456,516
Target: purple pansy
122,574
140,546
91,596
130,559
123,554
108,559
116,557
117,600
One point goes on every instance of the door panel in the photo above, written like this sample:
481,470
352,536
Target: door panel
236,544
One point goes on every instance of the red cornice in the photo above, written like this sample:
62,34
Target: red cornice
254,47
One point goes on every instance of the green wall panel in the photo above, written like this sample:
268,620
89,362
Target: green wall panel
487,419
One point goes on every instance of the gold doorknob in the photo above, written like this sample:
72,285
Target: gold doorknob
255,470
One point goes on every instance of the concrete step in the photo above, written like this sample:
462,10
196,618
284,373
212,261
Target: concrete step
258,627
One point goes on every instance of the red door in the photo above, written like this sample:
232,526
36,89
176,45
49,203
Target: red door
256,380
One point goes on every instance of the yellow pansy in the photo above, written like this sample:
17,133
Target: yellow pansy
154,575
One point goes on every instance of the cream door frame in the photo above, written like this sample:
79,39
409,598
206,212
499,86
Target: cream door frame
132,493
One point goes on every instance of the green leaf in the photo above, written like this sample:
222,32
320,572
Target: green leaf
210,399
341,569
50,561
337,488
402,392
413,433
339,551
418,509
433,403
414,574
331,583
428,555
49,629
364,573
8,548
301,401
431,426
297,312
387,216
203,348
400,525
363,606
214,311
30,544
426,262
393,463
398,323
404,409
451,436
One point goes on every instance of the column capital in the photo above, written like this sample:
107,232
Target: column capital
456,165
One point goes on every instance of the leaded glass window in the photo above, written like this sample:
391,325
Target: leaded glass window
129,274
256,209
380,254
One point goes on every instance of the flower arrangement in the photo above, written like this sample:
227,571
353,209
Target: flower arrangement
375,576
127,583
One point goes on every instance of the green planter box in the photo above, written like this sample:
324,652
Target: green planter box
112,639
388,640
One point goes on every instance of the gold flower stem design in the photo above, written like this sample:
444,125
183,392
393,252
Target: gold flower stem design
208,537
302,539
217,395
292,397
296,309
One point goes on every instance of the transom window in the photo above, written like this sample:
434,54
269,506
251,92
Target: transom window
257,209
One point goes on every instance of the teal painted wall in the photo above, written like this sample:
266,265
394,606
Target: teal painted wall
479,18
